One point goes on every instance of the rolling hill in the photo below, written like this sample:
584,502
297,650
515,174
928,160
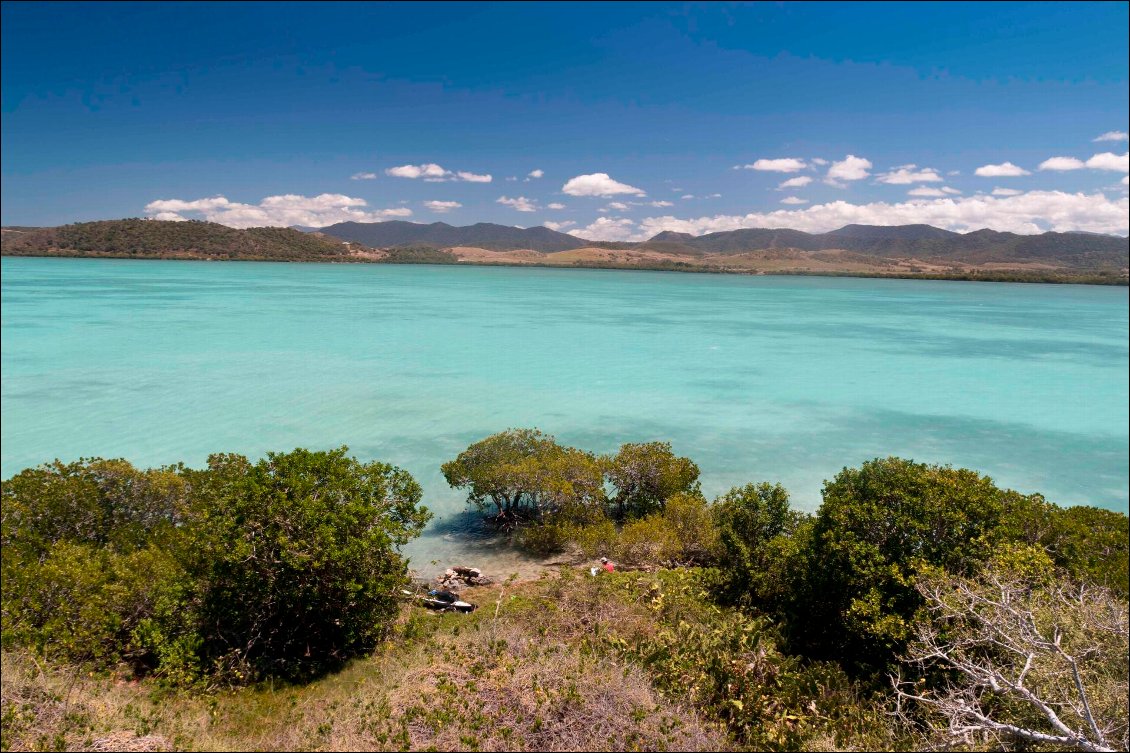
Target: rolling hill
441,235
134,238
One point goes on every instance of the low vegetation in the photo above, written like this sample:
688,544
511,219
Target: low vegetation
158,239
258,605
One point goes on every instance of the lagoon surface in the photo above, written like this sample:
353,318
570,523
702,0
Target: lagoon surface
756,378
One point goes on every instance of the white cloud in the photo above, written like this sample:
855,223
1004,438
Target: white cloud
605,229
820,162
849,168
781,165
793,200
617,205
1125,180
536,173
363,176
954,172
277,211
1110,161
169,217
1113,136
687,196
442,207
429,170
1031,212
926,191
904,175
433,173
598,184
520,203
512,177
714,196
558,225
1003,170
1006,192
1061,164
947,189
660,204
798,182
555,205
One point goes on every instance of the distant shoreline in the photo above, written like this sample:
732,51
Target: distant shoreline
1017,276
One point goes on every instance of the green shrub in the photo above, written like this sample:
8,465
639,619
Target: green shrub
878,526
645,475
282,567
647,541
757,546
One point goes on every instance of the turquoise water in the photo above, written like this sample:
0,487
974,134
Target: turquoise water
756,378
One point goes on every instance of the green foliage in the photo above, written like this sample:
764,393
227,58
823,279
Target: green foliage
418,255
728,665
297,561
1093,546
282,567
646,474
525,474
757,553
156,239
878,525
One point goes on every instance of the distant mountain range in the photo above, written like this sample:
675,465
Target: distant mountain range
441,235
1077,250
853,249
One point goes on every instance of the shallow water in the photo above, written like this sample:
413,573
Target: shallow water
756,378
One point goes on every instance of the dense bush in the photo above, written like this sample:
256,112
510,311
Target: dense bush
281,567
646,475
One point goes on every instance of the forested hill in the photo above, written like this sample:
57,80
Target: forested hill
1082,250
135,238
441,235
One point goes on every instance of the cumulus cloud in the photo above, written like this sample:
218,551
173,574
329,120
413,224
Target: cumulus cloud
276,211
442,207
849,168
433,173
1003,170
780,165
906,174
555,205
1113,136
598,184
660,204
1110,161
1006,192
793,200
617,205
687,196
606,229
520,203
798,182
536,173
559,226
947,189
926,191
363,176
820,162
1030,212
1061,164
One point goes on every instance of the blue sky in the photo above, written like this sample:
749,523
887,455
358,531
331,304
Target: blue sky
631,118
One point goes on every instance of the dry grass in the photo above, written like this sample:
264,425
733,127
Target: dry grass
522,673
